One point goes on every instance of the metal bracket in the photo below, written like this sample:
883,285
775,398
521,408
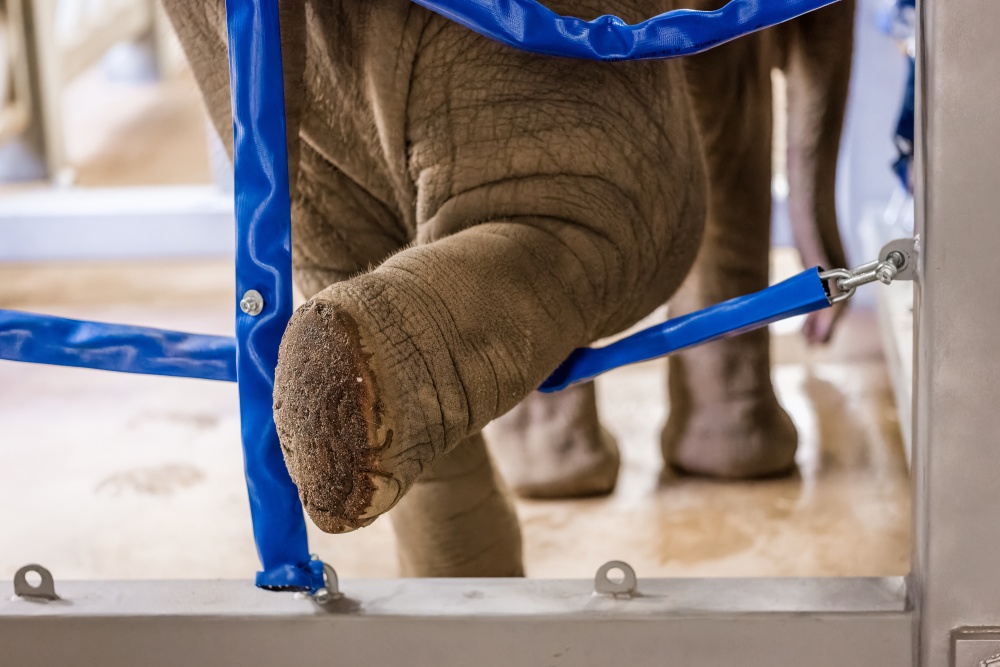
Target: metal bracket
907,249
45,590
604,585
975,647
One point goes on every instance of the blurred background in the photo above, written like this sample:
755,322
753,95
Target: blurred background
115,205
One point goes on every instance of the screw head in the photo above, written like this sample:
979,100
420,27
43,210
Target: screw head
252,303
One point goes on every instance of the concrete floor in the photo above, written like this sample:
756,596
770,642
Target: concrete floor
107,476
115,476
122,134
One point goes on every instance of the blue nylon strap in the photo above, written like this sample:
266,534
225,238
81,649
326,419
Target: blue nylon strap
528,25
43,339
264,263
796,296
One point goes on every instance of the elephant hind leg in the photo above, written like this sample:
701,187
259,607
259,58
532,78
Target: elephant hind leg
457,520
725,420
553,446
818,70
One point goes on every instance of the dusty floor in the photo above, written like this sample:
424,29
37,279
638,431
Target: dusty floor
116,476
116,127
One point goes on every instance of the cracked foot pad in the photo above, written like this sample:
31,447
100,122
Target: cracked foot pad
331,419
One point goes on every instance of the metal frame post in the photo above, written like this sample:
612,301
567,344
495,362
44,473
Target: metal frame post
955,579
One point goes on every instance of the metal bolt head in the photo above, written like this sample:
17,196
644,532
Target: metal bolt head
252,303
322,596
889,269
886,272
325,596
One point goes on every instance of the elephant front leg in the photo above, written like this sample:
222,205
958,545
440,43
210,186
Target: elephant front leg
382,374
724,418
556,203
457,520
553,446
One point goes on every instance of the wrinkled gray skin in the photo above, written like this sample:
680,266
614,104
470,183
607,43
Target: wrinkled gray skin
466,215
724,419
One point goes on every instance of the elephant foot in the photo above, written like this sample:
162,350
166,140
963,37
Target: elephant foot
553,446
340,429
739,439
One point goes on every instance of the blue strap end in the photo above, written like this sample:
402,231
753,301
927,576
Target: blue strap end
804,293
302,578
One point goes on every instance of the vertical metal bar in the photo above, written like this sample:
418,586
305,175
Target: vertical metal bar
25,157
47,105
957,385
263,263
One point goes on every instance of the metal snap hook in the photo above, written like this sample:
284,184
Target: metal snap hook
45,590
895,262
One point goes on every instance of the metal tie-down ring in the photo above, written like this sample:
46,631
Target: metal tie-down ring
331,587
45,590
603,585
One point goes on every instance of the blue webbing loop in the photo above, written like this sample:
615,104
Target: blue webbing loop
264,263
43,339
530,26
801,294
